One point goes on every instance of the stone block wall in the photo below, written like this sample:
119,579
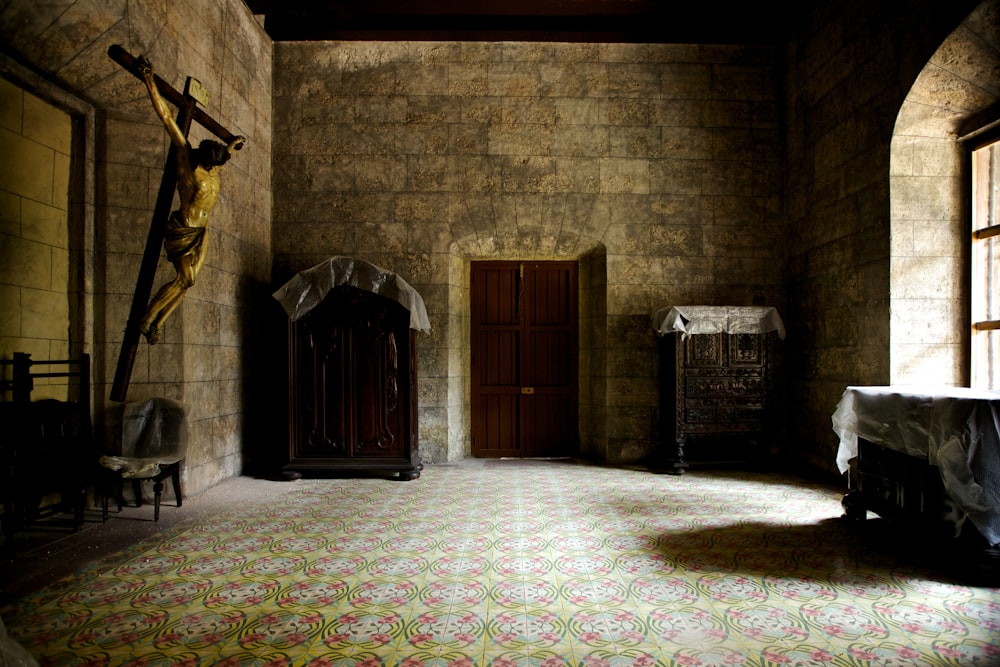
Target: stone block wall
659,168
865,259
929,188
672,173
119,148
35,141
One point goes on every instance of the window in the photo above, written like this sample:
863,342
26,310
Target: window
985,291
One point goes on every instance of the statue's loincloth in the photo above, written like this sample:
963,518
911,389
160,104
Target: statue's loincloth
180,239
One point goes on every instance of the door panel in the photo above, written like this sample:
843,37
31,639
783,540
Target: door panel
350,392
524,362
495,426
496,350
549,425
547,365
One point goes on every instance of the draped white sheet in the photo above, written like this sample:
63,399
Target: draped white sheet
308,288
955,429
718,319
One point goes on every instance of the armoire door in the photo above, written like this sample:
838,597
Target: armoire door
524,359
352,386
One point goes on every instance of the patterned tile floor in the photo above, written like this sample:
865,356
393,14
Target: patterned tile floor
514,565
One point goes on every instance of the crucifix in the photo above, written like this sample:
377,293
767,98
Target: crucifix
193,173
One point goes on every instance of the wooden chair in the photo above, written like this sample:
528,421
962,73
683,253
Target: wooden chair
154,439
162,472
47,447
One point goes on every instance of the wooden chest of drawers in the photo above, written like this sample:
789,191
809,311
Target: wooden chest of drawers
714,397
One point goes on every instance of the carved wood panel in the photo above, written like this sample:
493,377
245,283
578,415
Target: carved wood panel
714,395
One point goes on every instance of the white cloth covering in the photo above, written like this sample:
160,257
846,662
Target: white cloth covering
718,319
955,429
308,288
154,433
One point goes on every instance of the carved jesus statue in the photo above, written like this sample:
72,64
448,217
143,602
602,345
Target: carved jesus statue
198,188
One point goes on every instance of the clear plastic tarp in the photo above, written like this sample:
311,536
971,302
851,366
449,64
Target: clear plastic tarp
308,288
718,319
13,654
154,432
954,428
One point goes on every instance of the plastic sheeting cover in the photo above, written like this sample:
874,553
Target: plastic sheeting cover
955,429
308,288
13,654
154,432
718,319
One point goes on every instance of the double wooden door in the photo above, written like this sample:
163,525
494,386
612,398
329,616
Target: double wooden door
524,359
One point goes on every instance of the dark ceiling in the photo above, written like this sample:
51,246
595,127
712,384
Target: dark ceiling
643,21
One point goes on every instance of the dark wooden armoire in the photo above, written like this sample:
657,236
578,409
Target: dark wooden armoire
353,386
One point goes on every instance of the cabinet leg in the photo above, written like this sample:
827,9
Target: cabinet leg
175,479
677,468
678,463
157,492
853,503
673,463
410,474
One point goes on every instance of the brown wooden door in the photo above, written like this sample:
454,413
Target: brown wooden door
524,359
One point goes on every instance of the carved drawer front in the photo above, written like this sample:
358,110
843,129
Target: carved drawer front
722,412
703,351
749,413
746,350
714,397
699,412
723,387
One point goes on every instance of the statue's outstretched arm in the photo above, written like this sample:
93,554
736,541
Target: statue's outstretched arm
160,105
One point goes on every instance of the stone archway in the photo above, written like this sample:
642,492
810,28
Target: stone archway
928,283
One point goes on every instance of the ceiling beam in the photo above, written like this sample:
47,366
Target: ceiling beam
525,8
722,21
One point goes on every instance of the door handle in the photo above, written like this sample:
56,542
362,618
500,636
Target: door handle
527,390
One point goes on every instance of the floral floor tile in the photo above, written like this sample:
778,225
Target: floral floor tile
550,566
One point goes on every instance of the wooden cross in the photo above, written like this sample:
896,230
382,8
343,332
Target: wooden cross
188,111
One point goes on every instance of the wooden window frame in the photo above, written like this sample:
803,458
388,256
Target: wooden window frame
983,358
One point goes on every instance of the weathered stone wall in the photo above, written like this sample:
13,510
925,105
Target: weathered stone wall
119,149
35,140
674,174
848,76
659,167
